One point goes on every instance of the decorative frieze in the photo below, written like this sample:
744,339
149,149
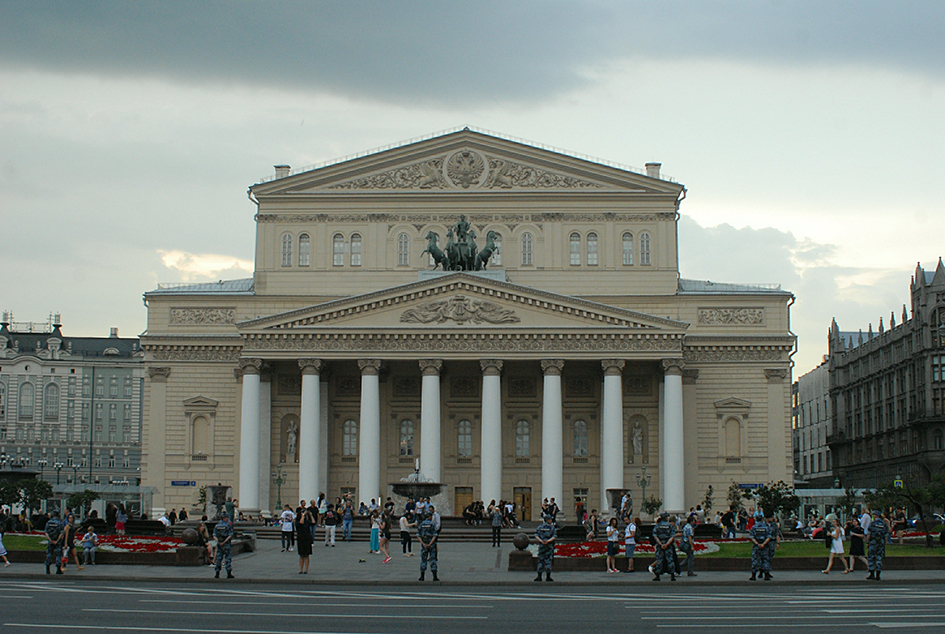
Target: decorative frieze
194,353
732,316
202,316
736,353
459,309
424,220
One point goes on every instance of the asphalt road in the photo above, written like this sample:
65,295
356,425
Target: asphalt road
107,606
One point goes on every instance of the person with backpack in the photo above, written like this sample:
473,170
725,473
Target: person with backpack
54,538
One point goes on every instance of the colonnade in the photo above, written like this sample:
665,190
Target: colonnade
370,458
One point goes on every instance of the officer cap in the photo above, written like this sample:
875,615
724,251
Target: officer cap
664,515
224,514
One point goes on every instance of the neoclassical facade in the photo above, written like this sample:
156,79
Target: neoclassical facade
560,366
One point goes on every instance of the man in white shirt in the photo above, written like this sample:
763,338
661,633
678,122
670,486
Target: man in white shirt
434,516
865,521
630,541
288,536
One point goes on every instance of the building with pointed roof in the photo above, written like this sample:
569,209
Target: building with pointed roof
507,319
887,391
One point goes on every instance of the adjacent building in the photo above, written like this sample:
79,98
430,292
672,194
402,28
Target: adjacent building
558,355
887,390
71,407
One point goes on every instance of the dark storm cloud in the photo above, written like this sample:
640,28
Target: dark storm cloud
452,52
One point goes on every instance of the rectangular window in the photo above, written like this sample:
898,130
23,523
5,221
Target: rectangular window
129,388
126,412
113,412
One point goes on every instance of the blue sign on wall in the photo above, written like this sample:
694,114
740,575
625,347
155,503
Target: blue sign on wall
183,483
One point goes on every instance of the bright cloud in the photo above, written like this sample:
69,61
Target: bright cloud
193,267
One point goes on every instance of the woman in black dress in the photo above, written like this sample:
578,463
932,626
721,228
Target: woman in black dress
857,541
305,522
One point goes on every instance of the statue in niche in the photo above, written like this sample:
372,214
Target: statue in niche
292,439
637,440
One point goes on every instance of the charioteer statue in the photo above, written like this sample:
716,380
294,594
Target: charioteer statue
461,252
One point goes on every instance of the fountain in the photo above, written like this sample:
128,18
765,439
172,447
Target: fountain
416,486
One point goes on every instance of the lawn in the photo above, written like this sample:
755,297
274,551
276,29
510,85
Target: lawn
810,548
13,541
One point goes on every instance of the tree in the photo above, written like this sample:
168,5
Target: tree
82,500
847,501
652,504
9,494
735,497
32,493
775,498
707,500
911,494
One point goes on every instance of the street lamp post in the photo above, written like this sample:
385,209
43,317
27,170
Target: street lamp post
58,467
42,462
75,474
643,480
279,477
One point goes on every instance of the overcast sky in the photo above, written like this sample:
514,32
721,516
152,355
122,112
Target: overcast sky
809,135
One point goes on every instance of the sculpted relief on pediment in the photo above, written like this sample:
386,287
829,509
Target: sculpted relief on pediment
467,169
459,309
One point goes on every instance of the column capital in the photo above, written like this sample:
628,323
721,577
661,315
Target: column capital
552,367
775,375
431,367
673,367
159,375
690,376
310,366
369,367
612,367
491,367
250,366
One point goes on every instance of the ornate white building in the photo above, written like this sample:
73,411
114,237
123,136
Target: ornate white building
574,359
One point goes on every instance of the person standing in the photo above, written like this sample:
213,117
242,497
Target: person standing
630,541
54,539
375,532
613,544
384,541
665,537
426,533
774,526
405,541
760,536
305,521
877,535
545,536
331,524
69,544
288,526
121,516
347,520
223,533
498,518
835,531
689,546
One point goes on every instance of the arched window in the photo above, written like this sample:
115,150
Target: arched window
496,259
592,249
522,433
200,436
406,437
51,402
464,439
26,396
3,402
403,250
355,249
338,250
286,250
645,248
733,437
305,249
526,249
575,241
628,249
349,438
580,438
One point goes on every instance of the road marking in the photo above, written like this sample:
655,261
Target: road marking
128,628
324,615
320,604
900,624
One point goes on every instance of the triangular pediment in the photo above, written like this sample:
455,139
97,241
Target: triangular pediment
465,161
732,403
462,301
200,402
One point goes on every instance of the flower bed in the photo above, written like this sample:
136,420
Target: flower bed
599,549
126,544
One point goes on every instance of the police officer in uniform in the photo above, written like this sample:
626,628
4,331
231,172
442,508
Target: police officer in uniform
545,536
760,535
55,534
877,535
426,532
775,528
665,537
223,533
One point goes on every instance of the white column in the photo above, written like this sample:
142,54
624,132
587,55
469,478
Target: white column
323,437
491,454
611,440
265,441
249,437
310,430
673,441
369,459
430,420
552,459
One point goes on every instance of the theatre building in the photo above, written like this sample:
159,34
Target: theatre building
509,319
